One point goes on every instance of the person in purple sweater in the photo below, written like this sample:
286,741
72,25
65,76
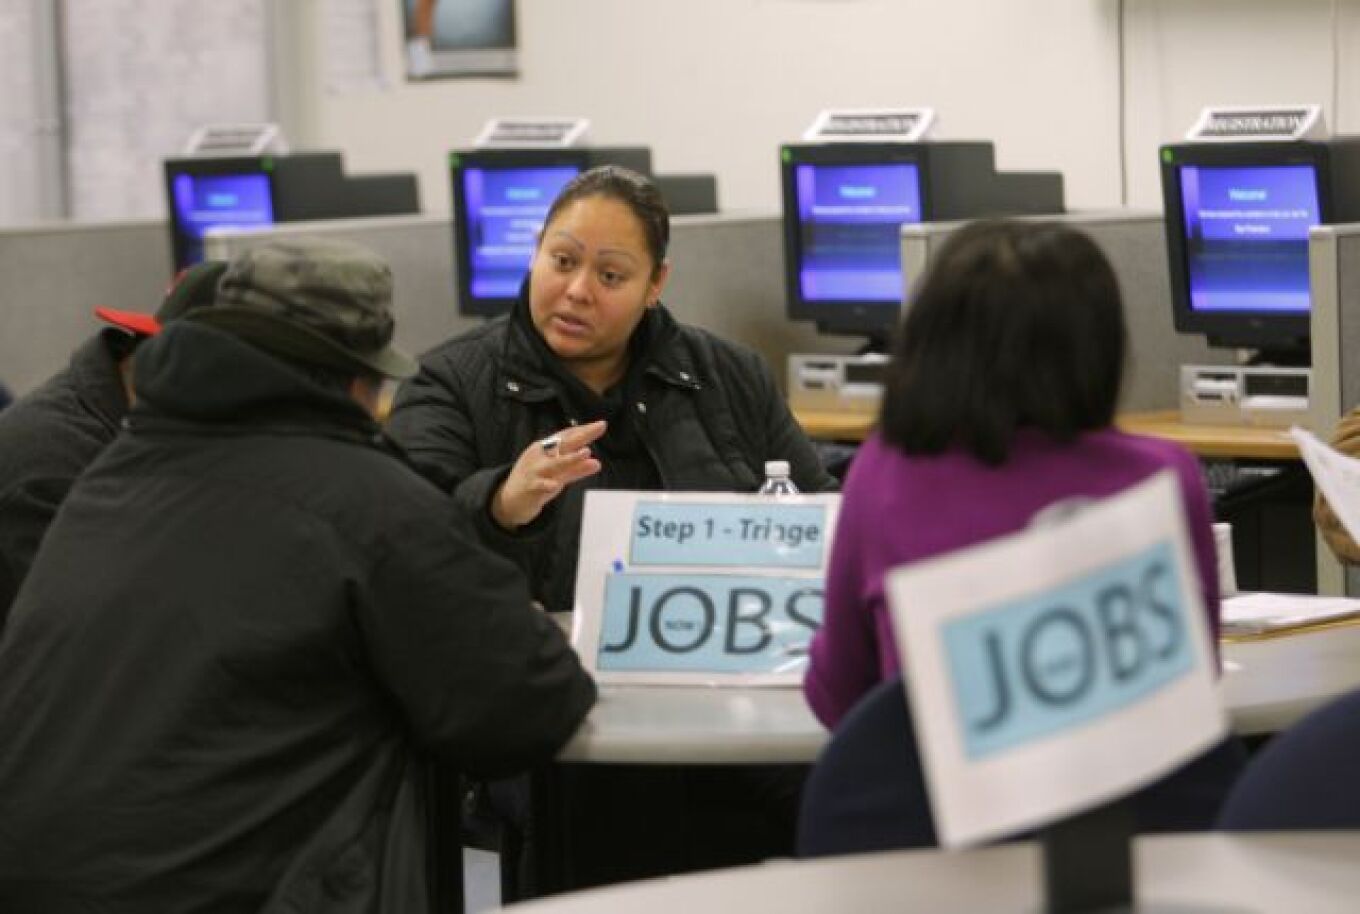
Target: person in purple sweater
999,402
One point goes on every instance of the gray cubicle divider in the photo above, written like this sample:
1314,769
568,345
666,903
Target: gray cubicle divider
1334,279
726,276
419,249
1135,243
52,277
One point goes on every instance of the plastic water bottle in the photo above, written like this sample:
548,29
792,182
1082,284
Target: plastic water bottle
777,481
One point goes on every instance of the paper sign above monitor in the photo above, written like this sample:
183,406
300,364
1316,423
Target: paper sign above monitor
1257,122
520,132
1058,668
842,125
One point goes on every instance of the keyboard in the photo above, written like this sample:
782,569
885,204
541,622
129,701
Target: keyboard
1229,477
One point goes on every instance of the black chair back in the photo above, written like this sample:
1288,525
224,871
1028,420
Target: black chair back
1305,778
867,791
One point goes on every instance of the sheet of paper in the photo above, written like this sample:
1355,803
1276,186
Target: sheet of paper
1263,612
1337,475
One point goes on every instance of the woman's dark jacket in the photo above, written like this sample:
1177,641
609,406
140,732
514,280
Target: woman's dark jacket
696,413
246,632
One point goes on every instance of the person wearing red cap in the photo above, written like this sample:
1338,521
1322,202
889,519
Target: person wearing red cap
253,630
50,436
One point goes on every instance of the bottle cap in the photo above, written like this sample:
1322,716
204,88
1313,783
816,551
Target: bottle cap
776,468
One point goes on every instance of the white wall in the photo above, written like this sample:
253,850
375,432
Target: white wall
717,85
140,77
1184,54
30,114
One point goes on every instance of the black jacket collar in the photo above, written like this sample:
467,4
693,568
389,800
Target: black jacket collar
531,372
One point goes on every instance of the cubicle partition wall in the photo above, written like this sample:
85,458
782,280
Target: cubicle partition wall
53,276
1136,246
726,276
419,249
1334,278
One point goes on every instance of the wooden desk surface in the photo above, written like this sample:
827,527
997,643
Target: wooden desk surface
1213,440
1206,440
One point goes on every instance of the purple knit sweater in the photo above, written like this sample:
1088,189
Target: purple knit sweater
899,508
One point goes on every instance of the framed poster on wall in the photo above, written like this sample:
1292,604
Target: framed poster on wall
451,38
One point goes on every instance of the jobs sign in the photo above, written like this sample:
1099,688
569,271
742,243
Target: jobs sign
700,588
1057,668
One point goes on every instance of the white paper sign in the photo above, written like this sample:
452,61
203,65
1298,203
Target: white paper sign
1057,668
700,588
1337,475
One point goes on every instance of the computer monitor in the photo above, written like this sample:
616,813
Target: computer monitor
843,210
500,201
262,190
845,204
214,192
1237,221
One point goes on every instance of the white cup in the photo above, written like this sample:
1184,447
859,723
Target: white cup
1227,570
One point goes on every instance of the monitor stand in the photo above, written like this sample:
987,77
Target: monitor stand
874,345
1294,354
1280,358
875,341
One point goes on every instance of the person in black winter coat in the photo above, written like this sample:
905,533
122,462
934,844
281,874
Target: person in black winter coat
591,362
253,627
51,435
591,383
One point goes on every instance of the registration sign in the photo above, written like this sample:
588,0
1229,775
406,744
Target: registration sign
701,588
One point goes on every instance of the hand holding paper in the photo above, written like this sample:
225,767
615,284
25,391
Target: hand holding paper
1336,476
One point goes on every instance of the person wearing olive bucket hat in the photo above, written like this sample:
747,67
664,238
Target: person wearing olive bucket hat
253,631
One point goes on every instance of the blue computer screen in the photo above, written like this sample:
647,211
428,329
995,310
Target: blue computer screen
1246,234
848,219
505,210
204,201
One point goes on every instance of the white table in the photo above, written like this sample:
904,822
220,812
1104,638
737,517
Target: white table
697,725
1296,873
1267,684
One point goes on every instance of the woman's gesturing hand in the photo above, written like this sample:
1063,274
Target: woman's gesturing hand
542,471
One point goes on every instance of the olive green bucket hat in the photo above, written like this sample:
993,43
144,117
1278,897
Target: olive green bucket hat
320,302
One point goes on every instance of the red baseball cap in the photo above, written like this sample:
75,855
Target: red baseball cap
193,287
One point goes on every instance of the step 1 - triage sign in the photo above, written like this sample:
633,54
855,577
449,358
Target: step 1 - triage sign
1058,668
700,588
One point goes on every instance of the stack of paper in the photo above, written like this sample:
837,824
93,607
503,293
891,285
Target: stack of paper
1266,613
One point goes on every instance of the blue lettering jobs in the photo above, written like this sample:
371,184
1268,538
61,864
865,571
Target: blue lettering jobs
708,623
1052,661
